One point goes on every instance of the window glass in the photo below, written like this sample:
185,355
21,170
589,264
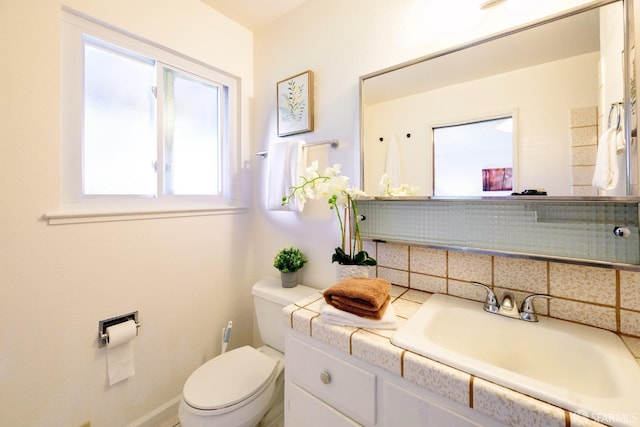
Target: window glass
191,135
119,132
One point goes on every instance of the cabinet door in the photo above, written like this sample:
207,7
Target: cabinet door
344,386
303,409
406,409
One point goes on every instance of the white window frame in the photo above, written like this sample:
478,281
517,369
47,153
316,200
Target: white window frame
73,203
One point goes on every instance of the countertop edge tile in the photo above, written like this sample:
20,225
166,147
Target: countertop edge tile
514,408
442,379
377,350
302,321
580,421
338,337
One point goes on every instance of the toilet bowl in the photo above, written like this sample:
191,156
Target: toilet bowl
237,388
233,389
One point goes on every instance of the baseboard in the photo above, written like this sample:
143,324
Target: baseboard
165,415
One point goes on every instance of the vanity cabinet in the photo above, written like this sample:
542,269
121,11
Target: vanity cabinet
326,387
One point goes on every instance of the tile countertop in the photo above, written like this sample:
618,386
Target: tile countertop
374,347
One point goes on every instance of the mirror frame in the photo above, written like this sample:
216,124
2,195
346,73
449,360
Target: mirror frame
627,15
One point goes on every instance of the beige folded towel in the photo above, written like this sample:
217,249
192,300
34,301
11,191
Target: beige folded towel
365,297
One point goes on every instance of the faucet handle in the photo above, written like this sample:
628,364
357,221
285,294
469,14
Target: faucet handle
527,312
491,302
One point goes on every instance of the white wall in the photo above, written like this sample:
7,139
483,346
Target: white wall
57,282
341,41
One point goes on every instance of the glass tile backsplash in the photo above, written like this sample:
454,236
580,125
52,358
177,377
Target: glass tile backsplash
577,230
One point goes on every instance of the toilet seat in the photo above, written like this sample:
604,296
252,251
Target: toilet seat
229,380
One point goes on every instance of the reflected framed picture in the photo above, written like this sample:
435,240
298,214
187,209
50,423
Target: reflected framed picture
295,104
497,179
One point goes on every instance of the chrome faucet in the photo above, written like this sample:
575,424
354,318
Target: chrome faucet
491,302
509,307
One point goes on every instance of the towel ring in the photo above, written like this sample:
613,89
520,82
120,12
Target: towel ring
616,106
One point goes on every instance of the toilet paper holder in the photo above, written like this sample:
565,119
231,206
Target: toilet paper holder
103,335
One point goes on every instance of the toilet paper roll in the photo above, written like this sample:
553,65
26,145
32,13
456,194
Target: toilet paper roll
120,351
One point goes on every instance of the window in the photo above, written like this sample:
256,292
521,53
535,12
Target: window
474,158
143,127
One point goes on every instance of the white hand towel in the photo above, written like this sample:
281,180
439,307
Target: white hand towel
620,142
287,163
605,176
393,167
331,315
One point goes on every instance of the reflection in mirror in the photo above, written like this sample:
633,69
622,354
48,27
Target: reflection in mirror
560,76
474,159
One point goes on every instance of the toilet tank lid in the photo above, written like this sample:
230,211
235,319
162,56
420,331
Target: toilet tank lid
270,288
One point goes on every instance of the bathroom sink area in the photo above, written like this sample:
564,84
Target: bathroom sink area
579,368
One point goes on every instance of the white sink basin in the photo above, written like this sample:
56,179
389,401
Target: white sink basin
583,369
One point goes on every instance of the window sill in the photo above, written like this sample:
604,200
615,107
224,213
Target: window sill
83,217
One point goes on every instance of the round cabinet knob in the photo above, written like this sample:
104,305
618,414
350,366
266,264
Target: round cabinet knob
325,377
622,232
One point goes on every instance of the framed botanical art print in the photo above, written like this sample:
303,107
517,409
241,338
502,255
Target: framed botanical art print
295,104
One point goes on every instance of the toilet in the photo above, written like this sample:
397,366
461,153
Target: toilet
241,386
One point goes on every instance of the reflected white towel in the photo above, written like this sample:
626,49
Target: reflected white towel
393,167
606,174
286,165
330,314
620,143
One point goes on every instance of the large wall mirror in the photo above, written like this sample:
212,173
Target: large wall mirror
558,84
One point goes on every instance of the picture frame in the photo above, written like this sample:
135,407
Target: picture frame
295,104
497,179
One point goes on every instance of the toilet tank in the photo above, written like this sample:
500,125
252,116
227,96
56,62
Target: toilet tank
269,298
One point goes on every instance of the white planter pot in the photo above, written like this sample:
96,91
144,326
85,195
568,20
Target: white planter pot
346,271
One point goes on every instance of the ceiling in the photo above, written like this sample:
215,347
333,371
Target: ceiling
253,14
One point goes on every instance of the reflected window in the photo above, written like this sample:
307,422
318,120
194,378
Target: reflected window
474,159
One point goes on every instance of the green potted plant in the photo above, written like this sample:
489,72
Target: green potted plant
289,261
